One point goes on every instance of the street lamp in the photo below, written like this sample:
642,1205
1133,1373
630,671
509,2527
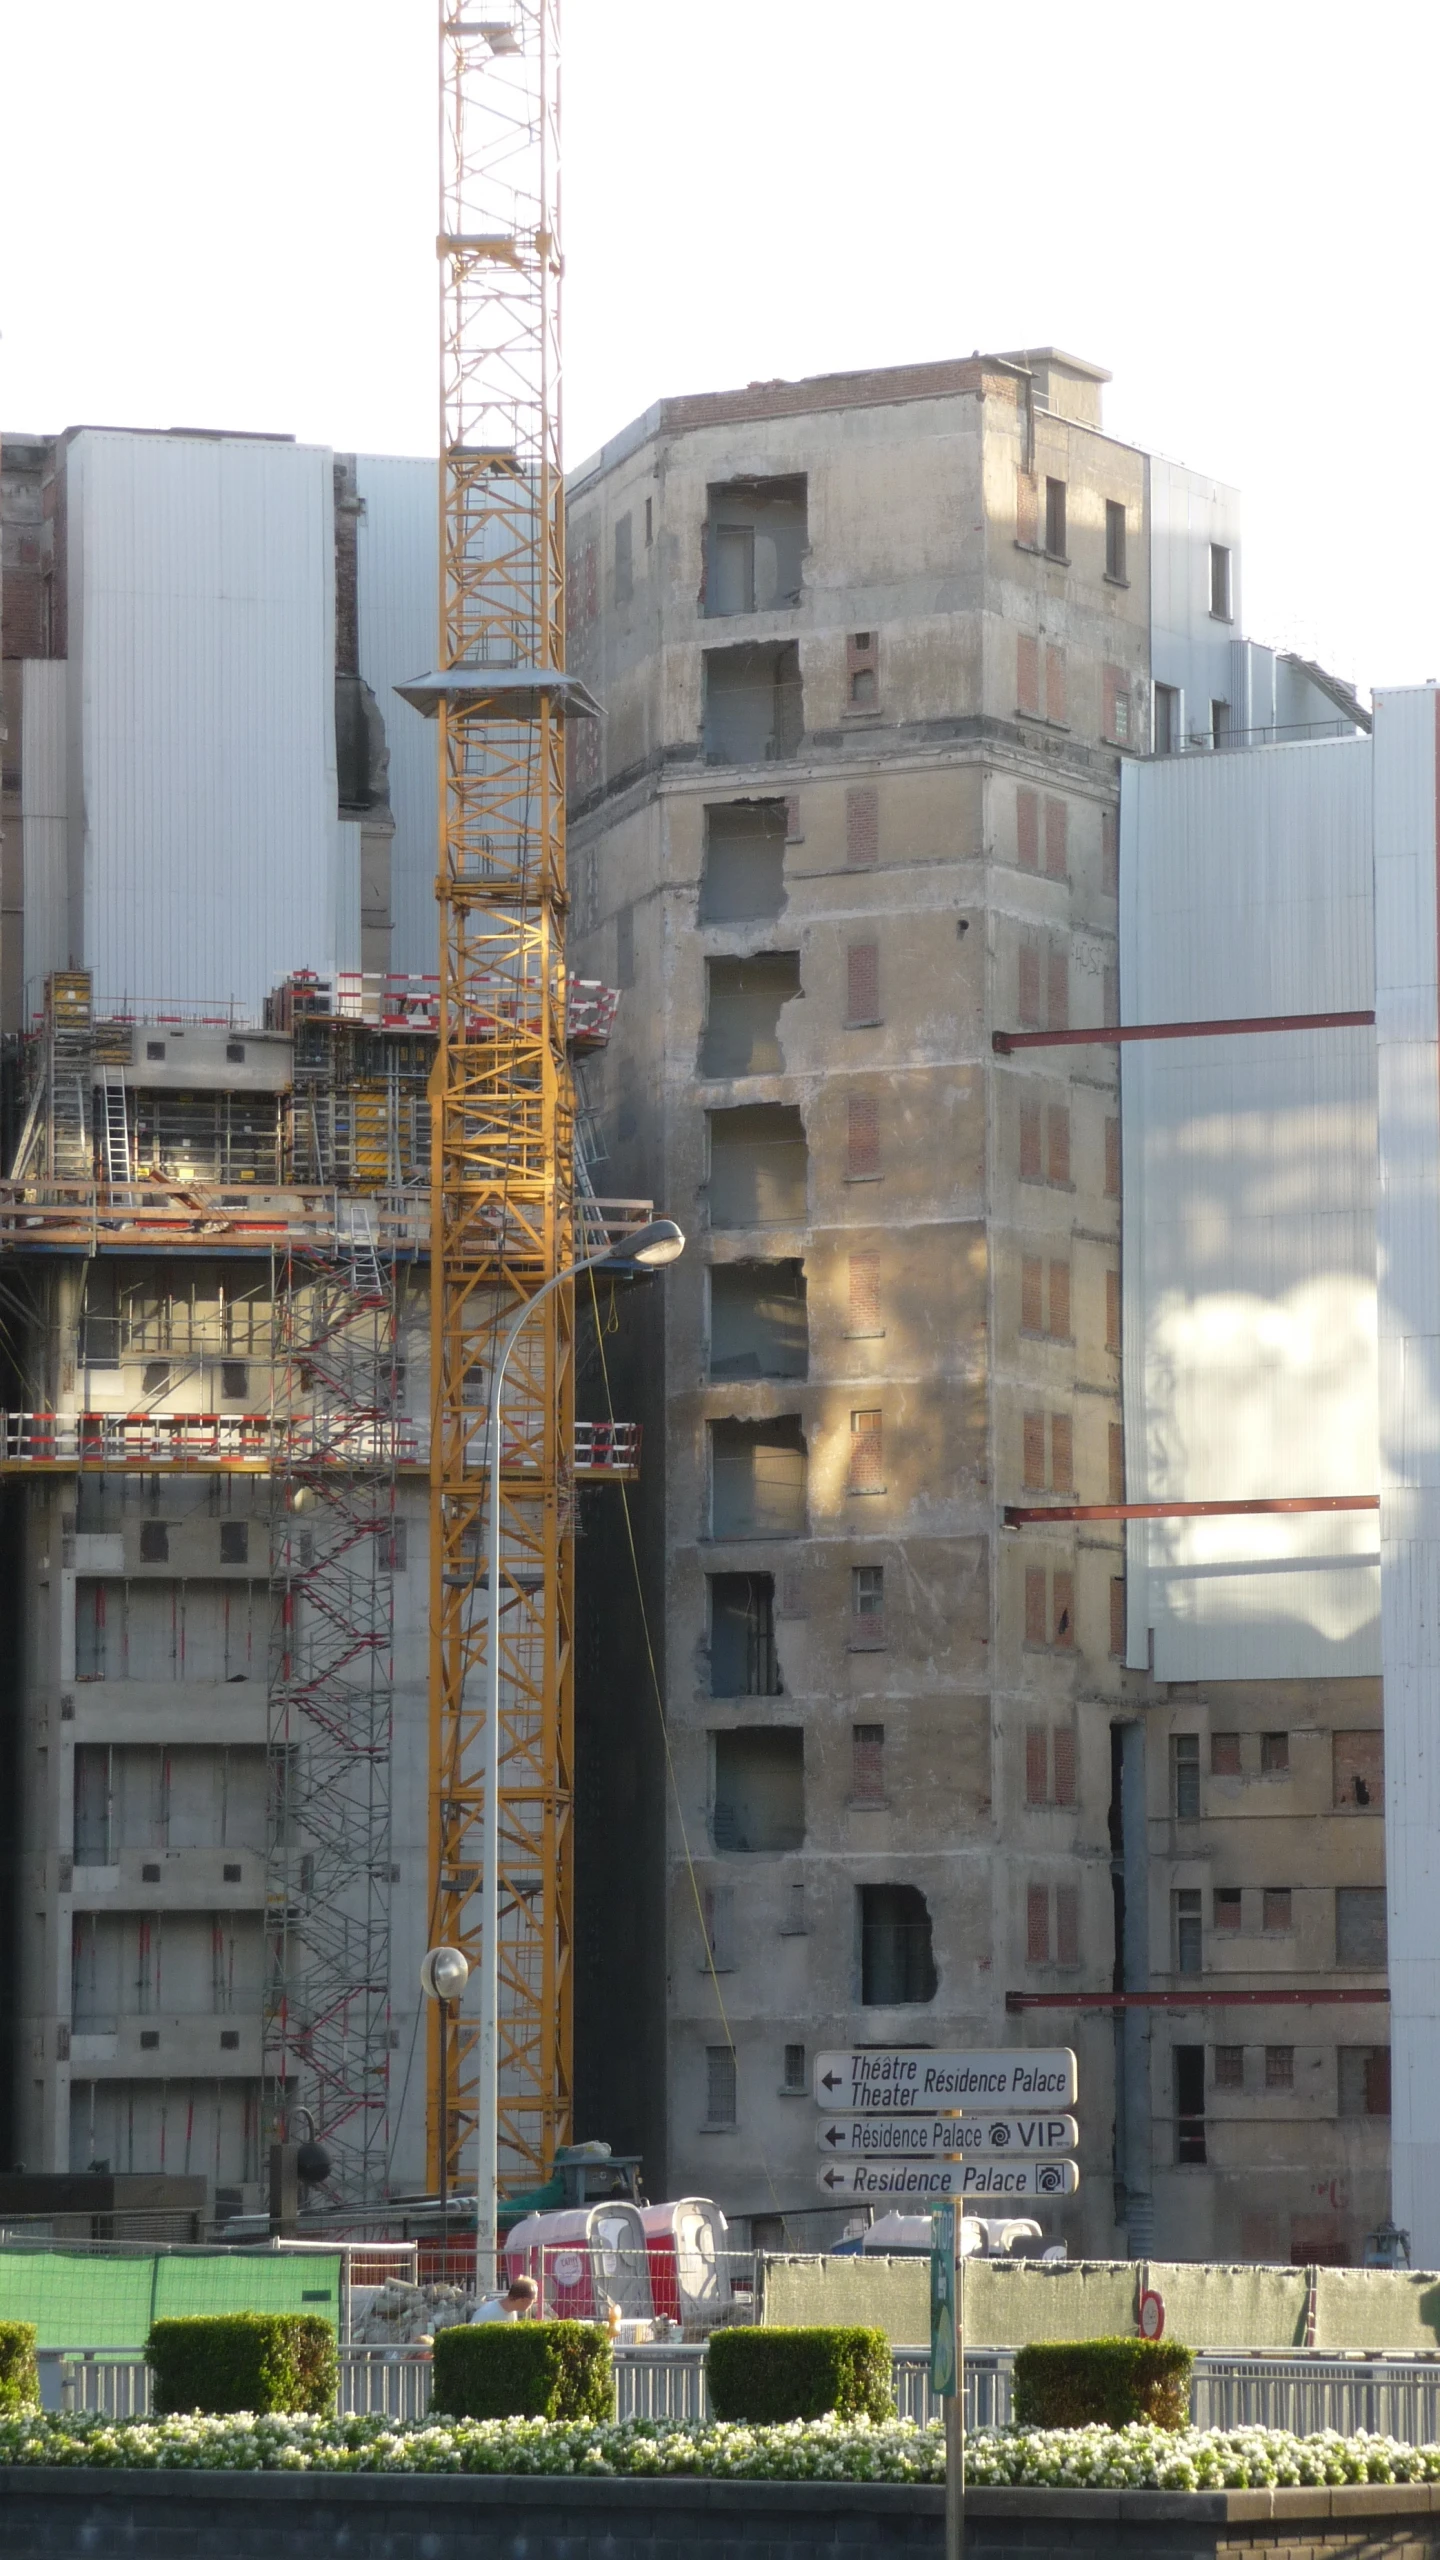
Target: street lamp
444,1973
649,1249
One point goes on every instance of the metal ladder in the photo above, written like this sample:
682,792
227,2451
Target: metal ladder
115,1128
357,1239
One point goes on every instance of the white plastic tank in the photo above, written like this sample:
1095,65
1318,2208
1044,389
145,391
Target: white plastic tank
584,2260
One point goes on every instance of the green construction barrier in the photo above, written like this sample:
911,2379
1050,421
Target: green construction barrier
892,2294
1215,2306
1387,2307
1016,2302
96,2299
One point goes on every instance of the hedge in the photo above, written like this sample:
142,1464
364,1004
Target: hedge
267,2361
19,2372
524,2369
1104,2382
767,2376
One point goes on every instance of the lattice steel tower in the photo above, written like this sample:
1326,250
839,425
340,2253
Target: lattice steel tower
503,1216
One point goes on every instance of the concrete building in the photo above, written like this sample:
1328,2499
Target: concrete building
873,650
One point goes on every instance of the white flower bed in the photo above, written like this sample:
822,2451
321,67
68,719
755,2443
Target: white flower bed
820,2449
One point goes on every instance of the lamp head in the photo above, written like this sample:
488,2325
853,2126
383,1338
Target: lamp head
652,1247
444,1974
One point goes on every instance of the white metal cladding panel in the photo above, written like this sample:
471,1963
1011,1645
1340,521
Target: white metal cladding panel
1249,1259
202,584
1407,854
399,611
42,822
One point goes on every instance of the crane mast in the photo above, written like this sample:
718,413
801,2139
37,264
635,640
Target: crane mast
503,1185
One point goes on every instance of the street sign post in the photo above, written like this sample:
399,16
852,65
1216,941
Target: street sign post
945,2137
969,2181
947,2364
942,2301
909,2080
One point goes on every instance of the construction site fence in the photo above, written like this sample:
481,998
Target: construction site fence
1392,2396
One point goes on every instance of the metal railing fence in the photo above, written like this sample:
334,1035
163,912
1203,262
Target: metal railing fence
1380,2395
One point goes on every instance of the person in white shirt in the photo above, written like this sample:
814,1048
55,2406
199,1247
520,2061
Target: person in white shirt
519,2298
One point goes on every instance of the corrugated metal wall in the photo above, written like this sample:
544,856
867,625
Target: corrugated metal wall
397,545
42,823
1407,857
202,677
1249,1245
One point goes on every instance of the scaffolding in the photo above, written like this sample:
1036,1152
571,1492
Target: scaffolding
335,1441
504,1209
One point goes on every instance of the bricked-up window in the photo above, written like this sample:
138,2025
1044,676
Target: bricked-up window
862,983
794,2082
1037,1924
1224,1755
1112,1159
1110,852
720,2084
1057,818
1055,690
1032,1297
897,1958
1188,2064
1062,1610
862,826
759,1789
624,563
1109,994
1112,1310
863,1307
1117,1462
1359,1769
1032,1468
1057,988
1275,1909
1363,2076
1027,674
862,670
1229,2070
1274,1755
1227,1907
1063,1760
867,1452
867,1764
862,1137
1279,2066
1185,1776
1220,589
1027,510
1060,1301
1057,1145
1037,1764
1115,539
1055,518
1037,1604
1062,1453
1067,1924
1185,1919
1049,1607
1115,686
718,1906
867,1606
1027,830
1117,1616
1031,1162
1034,1317
1360,1924
1027,985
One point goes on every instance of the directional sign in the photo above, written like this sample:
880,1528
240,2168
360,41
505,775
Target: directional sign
892,2080
978,2181
944,2137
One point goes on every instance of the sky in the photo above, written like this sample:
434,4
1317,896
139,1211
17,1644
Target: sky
214,217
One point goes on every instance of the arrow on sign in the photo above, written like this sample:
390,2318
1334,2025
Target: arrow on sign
995,2180
831,2080
947,2137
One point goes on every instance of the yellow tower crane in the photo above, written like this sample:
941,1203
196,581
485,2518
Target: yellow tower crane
504,1219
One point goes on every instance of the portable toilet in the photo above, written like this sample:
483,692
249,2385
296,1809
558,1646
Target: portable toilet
584,2260
689,2274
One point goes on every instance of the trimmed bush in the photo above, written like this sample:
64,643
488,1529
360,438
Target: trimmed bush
19,2372
1104,2382
524,2369
767,2376
271,2362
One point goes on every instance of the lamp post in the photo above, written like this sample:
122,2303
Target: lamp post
654,1246
444,1973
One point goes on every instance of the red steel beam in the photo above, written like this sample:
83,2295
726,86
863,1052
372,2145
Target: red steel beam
1348,1996
1113,1035
1020,1515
